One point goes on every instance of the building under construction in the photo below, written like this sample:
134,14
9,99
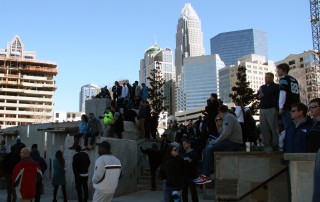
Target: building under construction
27,86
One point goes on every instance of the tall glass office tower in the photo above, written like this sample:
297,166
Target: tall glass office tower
233,45
87,92
189,37
199,78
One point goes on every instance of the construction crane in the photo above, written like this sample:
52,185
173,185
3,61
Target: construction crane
314,14
315,27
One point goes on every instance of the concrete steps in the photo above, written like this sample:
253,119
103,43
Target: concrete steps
144,181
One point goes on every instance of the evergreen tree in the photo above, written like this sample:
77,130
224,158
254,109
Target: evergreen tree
243,92
156,89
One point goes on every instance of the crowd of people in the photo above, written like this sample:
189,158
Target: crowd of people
24,168
219,129
224,129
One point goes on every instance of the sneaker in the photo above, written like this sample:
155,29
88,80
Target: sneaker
202,179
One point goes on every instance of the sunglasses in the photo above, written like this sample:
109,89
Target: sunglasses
313,107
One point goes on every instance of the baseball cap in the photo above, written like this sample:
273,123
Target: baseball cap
104,144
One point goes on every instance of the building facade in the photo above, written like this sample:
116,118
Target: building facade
199,78
233,45
224,84
87,92
156,57
189,37
305,70
256,67
61,116
27,86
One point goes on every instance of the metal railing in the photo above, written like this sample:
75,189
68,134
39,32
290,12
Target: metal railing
256,188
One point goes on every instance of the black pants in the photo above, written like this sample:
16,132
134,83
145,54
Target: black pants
153,178
64,192
11,194
38,191
188,182
81,183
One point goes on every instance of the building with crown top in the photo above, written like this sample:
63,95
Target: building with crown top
156,57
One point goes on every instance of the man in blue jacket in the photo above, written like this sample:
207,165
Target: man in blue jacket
297,132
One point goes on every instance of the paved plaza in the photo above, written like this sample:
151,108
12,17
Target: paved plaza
141,196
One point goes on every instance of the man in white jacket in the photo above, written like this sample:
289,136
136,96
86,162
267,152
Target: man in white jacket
106,174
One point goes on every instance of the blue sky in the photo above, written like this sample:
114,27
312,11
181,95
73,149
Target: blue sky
101,41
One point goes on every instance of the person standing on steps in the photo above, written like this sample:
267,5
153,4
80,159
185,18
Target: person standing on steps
155,159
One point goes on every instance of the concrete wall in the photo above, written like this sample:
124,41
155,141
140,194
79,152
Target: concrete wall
301,168
238,172
125,150
48,143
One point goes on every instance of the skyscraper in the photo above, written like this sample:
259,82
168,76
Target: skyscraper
199,78
233,45
27,86
87,92
161,57
189,37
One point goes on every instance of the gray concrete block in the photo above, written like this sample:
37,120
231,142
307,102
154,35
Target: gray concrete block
230,165
253,169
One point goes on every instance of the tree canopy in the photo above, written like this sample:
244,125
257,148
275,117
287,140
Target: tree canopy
156,83
242,90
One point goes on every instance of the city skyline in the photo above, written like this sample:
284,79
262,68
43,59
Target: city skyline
103,41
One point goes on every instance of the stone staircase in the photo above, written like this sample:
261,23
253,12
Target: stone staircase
144,181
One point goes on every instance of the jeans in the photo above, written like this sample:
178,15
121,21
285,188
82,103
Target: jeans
92,136
187,182
81,183
167,192
208,154
316,180
286,118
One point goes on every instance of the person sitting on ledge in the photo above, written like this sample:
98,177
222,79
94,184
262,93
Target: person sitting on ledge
230,139
83,128
92,131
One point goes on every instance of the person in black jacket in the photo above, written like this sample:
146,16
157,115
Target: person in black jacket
10,160
190,172
171,172
155,158
314,133
35,155
80,165
211,111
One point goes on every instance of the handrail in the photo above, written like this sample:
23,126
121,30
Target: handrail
256,188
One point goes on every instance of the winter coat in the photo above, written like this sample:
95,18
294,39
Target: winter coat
58,173
24,178
106,174
108,118
295,140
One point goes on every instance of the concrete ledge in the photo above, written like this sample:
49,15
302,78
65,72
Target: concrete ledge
300,156
301,167
236,173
